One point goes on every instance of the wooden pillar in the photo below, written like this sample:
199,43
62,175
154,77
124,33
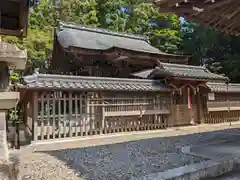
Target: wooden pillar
172,118
70,112
200,105
88,115
34,115
24,112
102,128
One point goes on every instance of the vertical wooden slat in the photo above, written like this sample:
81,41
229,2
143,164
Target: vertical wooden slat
59,115
156,105
103,116
86,121
48,116
64,115
125,124
114,124
91,114
35,114
24,113
76,115
42,116
83,117
122,123
70,100
54,115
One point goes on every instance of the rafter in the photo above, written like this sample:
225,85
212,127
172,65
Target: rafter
222,15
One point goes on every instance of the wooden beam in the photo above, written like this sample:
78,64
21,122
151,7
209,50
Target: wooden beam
19,1
219,16
23,21
11,32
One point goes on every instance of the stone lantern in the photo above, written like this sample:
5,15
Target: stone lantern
10,57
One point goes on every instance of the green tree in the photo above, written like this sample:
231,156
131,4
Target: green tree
134,16
219,51
139,17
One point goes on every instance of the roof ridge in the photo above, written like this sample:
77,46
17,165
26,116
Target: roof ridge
184,65
35,77
223,83
103,31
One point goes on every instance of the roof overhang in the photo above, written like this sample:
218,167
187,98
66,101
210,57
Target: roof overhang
14,17
84,40
224,87
89,83
222,15
181,72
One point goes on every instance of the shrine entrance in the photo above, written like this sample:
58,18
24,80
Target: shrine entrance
187,103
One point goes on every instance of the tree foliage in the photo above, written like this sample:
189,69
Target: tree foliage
133,16
220,52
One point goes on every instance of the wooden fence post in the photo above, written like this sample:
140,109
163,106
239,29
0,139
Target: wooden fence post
103,116
34,115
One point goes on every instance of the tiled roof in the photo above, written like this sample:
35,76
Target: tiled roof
222,87
71,35
90,83
183,71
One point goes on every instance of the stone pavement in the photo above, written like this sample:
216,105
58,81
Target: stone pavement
122,156
230,148
226,149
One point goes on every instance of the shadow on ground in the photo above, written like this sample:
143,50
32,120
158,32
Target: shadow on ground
138,158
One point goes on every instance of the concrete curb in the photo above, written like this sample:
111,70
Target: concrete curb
197,171
206,169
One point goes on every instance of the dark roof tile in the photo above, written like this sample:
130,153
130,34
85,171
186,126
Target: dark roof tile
222,87
183,71
91,83
70,35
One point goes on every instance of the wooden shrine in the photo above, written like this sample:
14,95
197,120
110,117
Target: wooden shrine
85,51
189,89
103,82
223,103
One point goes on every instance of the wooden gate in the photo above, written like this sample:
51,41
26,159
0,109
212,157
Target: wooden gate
185,115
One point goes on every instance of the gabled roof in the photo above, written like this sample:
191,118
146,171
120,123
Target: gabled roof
222,87
69,35
53,81
181,71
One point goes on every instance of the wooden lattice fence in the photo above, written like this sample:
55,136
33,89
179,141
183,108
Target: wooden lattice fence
71,114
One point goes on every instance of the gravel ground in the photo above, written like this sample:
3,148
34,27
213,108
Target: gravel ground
41,166
117,161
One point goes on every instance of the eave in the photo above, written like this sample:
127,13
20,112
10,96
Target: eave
222,15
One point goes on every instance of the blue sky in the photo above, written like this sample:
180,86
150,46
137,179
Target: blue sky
182,20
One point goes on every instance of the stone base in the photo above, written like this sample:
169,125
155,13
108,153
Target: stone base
9,163
3,138
10,170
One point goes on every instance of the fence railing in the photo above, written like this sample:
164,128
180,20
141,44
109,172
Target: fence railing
223,105
80,114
